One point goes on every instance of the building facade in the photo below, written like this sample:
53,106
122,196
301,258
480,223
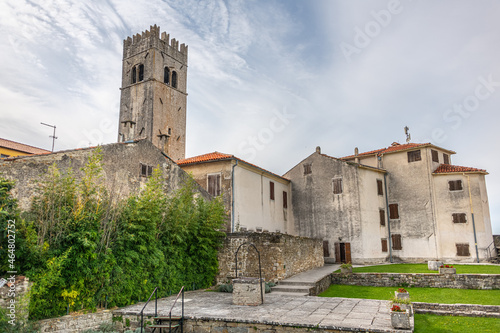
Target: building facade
10,148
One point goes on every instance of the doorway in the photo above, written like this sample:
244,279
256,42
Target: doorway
343,253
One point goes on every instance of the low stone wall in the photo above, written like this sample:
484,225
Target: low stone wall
455,281
281,256
75,323
464,310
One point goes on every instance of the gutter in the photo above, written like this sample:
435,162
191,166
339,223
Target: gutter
232,195
388,217
472,214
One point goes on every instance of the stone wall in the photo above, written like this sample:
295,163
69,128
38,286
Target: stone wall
75,323
281,256
455,281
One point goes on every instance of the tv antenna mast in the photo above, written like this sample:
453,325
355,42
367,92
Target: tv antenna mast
407,132
53,136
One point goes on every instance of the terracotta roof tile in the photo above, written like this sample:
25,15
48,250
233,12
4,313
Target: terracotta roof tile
21,147
217,156
392,148
447,168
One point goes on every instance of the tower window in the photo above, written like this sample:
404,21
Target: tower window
134,74
166,75
174,79
141,72
414,156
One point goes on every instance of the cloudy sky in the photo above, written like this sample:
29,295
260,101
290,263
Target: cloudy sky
268,81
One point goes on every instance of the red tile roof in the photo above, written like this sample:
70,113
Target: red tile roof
393,148
21,147
447,168
216,156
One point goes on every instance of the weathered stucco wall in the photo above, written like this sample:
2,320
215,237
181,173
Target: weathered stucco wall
281,256
121,164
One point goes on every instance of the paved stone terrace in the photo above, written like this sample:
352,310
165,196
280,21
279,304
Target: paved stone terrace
346,314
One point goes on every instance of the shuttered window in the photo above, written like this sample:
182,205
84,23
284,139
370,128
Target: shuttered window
435,156
146,170
214,187
459,218
337,186
414,156
285,199
455,185
384,245
380,187
463,249
396,242
446,159
271,190
307,169
382,217
393,211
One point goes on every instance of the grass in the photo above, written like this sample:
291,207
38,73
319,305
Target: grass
433,323
422,268
428,295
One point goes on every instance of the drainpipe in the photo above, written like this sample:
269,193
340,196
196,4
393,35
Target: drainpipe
388,217
232,195
472,214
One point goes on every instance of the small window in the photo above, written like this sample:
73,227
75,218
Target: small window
307,169
446,159
459,218
396,242
414,156
166,75
258,229
134,75
382,216
393,211
271,190
380,187
141,72
455,185
214,188
4,156
337,186
174,79
146,170
463,249
435,156
384,245
285,199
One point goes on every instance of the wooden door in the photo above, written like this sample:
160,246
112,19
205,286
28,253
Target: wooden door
337,252
348,252
326,250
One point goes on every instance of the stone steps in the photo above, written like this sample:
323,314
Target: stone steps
303,290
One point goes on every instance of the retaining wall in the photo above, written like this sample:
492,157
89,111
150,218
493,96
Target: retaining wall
75,323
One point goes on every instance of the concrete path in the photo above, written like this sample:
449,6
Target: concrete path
304,284
346,314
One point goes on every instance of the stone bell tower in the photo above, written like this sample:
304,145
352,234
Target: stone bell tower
153,93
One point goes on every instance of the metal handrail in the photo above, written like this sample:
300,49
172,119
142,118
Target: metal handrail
170,312
490,256
155,291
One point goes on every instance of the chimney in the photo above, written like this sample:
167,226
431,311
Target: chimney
356,153
318,149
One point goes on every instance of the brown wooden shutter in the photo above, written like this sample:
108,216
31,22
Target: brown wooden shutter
396,242
348,252
382,217
393,211
337,186
337,252
435,156
380,187
384,245
459,218
326,250
271,189
414,156
307,169
214,185
217,185
285,199
463,249
446,159
455,185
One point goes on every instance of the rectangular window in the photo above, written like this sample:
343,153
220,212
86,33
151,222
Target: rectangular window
446,159
463,249
380,187
382,216
307,169
146,170
393,211
337,185
455,185
285,199
271,190
435,156
396,242
384,245
414,156
459,218
214,186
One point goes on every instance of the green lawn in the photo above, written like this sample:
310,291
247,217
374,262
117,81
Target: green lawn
432,323
429,295
422,268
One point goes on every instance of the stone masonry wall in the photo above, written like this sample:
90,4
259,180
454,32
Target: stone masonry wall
455,281
281,256
75,323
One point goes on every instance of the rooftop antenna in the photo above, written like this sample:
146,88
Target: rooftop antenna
53,136
407,132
